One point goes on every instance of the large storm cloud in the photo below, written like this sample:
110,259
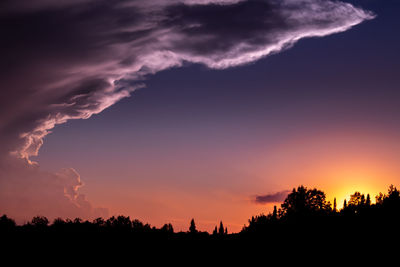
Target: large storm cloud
64,60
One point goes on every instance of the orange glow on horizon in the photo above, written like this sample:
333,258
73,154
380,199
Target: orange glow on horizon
337,164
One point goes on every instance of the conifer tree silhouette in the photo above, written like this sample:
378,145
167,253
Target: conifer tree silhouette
192,228
368,201
215,232
334,205
221,228
275,213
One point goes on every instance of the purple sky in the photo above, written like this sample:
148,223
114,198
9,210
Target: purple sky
186,105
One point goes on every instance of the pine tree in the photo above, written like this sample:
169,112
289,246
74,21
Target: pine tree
344,204
362,201
215,232
334,205
192,228
368,201
275,213
221,228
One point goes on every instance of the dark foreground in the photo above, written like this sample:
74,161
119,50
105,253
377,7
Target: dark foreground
306,226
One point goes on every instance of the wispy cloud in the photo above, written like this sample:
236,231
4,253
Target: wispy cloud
27,191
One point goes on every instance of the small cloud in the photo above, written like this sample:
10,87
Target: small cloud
277,197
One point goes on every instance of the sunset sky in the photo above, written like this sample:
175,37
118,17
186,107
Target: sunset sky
208,109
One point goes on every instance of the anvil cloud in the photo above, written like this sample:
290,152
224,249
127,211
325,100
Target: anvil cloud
63,60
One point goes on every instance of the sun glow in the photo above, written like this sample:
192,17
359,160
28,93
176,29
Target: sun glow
347,181
338,163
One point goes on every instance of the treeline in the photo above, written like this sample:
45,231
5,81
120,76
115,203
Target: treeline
120,225
310,206
304,213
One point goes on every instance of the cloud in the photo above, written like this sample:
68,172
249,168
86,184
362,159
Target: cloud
29,191
72,59
65,60
277,197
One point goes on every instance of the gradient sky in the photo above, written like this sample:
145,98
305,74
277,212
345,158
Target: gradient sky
202,143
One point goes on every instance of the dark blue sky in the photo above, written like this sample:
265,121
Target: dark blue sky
349,78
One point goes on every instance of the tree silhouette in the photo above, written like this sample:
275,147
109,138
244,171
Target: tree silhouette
137,225
78,221
168,228
6,223
99,222
356,199
305,201
39,221
58,222
304,216
192,228
221,230
390,202
334,205
275,213
368,201
123,222
215,232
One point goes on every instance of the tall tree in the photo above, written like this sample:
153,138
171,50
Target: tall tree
275,214
221,228
368,201
334,205
192,228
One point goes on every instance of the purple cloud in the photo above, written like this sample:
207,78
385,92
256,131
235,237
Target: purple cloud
72,59
277,197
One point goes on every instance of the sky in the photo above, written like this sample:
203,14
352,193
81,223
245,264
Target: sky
212,110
